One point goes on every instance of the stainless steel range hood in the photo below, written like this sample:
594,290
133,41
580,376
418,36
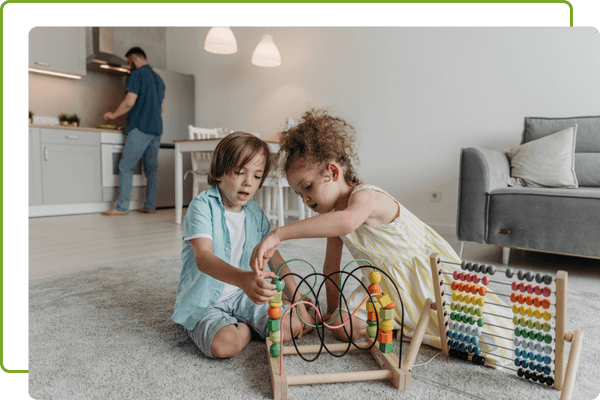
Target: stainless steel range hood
103,57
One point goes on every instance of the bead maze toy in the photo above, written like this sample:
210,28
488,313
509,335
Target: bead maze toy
379,308
464,327
532,337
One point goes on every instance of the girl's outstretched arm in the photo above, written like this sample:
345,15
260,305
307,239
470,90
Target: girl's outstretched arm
331,224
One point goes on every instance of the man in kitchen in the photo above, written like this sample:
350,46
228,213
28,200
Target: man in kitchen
143,104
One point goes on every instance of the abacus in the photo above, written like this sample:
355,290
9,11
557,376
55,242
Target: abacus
531,336
379,309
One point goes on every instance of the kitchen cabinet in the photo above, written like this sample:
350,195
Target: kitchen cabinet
59,49
71,170
35,167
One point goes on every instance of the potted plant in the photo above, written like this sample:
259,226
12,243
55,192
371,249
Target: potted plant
74,120
64,119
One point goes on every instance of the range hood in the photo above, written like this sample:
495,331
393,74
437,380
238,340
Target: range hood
103,57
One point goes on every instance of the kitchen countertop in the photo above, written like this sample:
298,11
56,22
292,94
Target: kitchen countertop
76,128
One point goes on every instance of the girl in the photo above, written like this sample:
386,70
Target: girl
318,157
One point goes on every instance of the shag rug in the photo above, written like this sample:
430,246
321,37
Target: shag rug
107,334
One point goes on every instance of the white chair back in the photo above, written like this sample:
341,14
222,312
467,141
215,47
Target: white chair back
200,159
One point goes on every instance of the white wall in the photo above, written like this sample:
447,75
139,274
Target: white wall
415,95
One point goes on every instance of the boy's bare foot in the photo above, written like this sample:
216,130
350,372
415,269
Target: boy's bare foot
146,211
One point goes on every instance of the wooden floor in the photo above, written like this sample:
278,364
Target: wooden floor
66,244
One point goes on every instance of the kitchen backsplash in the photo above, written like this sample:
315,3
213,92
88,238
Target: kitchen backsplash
89,97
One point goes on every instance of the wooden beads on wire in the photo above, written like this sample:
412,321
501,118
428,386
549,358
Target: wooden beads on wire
274,322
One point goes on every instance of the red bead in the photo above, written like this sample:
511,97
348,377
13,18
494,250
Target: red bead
469,277
537,290
529,289
522,287
455,275
476,278
461,276
547,291
485,280
514,286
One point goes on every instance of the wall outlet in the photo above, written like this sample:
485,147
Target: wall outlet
435,196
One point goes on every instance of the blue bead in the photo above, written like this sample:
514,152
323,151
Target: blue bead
539,357
547,370
518,362
468,338
461,337
525,353
539,368
532,366
451,343
470,348
518,351
463,346
532,356
451,334
539,347
547,360
475,340
477,350
524,363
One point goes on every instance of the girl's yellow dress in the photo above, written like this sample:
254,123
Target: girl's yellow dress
402,249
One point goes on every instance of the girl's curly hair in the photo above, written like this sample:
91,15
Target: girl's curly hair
319,139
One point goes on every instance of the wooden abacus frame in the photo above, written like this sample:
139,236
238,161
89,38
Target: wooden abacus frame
564,378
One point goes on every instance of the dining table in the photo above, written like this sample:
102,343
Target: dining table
189,146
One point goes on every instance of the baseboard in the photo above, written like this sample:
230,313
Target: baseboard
48,210
443,229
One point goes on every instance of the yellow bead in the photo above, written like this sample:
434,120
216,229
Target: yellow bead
375,277
468,299
387,325
275,303
275,336
481,302
384,299
455,296
530,311
523,310
538,313
370,307
461,297
547,315
516,308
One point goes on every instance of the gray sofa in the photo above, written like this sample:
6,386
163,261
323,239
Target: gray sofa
553,220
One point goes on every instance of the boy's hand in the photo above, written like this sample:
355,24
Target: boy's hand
263,252
257,288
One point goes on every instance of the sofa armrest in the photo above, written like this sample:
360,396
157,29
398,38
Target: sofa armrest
481,171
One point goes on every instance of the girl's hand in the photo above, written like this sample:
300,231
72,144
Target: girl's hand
263,252
257,288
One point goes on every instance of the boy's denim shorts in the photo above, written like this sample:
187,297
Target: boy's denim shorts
234,309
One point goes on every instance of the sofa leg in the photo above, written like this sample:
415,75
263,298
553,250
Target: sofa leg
505,255
460,249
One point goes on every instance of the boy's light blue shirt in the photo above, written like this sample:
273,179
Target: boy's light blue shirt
198,292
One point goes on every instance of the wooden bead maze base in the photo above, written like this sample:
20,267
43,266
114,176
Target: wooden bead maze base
391,369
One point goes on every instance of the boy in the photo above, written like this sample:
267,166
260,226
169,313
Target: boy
220,301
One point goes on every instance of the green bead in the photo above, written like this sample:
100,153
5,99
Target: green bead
523,322
530,324
524,333
548,338
540,337
532,334
538,325
372,331
480,322
279,284
453,306
274,324
516,320
372,323
471,320
275,350
386,347
465,318
453,315
480,312
546,327
517,331
459,307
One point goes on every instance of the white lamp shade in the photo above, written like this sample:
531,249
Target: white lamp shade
266,53
220,40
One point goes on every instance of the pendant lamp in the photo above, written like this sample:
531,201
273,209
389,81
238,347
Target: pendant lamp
220,40
266,53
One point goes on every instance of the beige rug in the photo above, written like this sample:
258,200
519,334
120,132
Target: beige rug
107,334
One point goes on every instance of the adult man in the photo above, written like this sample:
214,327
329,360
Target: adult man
144,103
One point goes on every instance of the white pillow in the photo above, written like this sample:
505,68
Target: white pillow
545,162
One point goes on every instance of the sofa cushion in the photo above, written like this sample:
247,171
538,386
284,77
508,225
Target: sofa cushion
546,162
587,149
554,220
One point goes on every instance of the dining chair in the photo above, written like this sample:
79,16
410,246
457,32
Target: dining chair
274,195
200,159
